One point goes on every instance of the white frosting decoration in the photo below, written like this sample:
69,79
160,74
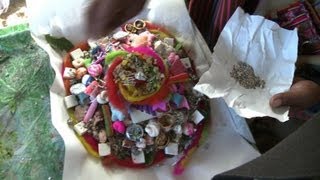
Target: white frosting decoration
77,88
177,129
102,98
153,129
141,144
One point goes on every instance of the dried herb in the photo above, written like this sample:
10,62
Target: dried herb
243,73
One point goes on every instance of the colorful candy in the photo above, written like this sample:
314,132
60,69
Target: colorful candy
78,62
69,73
188,129
95,70
119,127
80,72
131,95
92,108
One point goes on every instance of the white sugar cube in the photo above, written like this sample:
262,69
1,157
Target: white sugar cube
70,101
159,47
77,89
120,35
168,50
138,116
197,117
104,149
169,41
171,149
186,62
80,128
76,54
92,43
69,73
138,158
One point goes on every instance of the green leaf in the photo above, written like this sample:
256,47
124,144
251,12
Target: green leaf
61,44
178,47
149,157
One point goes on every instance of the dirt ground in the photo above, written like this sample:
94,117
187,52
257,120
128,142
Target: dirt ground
16,14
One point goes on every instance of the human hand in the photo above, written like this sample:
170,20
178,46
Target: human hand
103,16
302,94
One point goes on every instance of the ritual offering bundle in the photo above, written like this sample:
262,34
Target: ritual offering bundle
130,97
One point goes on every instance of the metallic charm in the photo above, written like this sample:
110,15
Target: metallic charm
139,24
162,140
130,28
140,76
134,132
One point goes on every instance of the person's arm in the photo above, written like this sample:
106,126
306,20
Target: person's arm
103,16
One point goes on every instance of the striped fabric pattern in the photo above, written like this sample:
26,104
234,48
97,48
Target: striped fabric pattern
314,13
210,16
316,5
302,15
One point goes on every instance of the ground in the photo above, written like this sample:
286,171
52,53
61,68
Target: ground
16,14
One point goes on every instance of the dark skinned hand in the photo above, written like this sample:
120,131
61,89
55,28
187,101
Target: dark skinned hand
103,16
302,94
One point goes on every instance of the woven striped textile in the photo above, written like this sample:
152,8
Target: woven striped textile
210,16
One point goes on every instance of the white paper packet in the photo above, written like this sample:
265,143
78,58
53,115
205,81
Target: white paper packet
4,5
269,49
225,148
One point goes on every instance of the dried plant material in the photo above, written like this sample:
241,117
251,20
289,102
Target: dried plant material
243,73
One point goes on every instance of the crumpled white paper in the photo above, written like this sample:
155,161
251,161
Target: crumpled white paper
224,149
4,5
268,48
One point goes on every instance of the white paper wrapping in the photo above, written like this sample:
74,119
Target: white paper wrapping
225,148
4,5
269,49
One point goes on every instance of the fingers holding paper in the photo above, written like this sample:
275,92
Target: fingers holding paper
302,94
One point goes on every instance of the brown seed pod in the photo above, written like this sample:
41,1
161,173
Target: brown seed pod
162,140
